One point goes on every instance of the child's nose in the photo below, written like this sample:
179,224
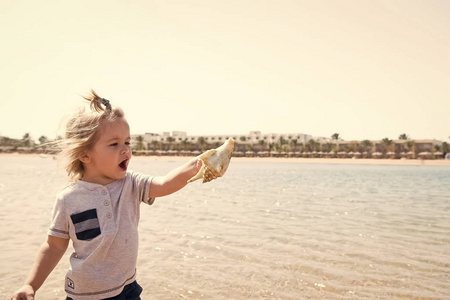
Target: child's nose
125,149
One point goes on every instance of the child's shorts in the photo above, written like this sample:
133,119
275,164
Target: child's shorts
130,292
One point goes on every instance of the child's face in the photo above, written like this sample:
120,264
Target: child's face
108,159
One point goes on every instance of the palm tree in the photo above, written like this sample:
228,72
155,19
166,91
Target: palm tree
367,145
156,145
411,145
279,145
403,136
313,145
262,144
140,143
445,147
348,148
26,140
387,144
170,140
327,147
436,151
294,144
351,147
318,146
335,137
282,141
6,141
202,142
302,148
185,143
354,146
249,148
43,139
271,147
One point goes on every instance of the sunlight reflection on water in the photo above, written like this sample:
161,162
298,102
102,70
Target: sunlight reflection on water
264,230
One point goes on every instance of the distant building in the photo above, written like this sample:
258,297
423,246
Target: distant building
300,145
253,137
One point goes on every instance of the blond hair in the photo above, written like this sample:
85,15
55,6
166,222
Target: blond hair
82,131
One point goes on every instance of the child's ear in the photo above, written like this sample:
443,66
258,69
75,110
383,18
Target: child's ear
85,158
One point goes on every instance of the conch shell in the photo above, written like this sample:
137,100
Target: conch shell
215,162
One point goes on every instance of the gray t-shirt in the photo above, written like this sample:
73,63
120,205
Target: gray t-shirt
102,222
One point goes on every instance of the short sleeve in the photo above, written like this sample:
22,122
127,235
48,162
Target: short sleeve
59,226
142,183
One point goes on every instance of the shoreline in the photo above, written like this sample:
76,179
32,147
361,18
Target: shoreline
342,161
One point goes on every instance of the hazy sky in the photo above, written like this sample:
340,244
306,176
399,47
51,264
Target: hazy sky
363,69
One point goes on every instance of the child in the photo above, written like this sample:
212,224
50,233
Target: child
99,211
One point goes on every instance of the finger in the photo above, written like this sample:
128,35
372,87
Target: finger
199,164
16,297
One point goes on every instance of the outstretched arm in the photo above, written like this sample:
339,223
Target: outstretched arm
48,257
175,179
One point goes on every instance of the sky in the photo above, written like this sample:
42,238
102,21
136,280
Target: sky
363,69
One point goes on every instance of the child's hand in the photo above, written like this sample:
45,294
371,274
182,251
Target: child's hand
26,292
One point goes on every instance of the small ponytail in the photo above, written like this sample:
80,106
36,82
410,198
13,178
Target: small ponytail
96,103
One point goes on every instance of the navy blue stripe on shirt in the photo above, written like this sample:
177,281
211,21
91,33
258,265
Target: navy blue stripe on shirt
83,216
88,234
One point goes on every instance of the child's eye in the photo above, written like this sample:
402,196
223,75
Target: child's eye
127,143
114,144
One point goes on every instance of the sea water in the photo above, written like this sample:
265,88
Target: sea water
266,230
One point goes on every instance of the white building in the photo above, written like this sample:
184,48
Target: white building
253,137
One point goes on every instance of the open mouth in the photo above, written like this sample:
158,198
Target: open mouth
123,165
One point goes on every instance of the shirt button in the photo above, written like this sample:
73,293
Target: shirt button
106,202
104,192
109,215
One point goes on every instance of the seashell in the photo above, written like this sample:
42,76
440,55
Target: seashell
215,162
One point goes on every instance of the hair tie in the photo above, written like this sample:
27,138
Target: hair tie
106,103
